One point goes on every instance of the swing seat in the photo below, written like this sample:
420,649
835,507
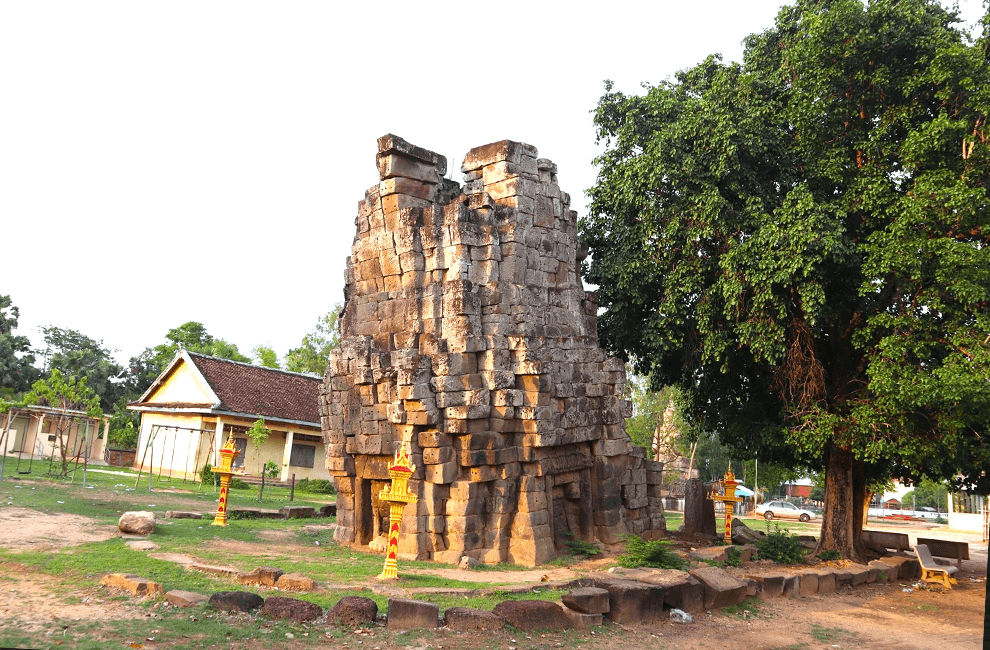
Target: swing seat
21,471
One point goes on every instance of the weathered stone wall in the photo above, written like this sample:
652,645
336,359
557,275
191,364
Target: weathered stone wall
467,331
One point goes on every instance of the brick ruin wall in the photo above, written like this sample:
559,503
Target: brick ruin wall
467,331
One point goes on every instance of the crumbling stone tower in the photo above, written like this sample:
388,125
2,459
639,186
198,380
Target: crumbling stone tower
467,332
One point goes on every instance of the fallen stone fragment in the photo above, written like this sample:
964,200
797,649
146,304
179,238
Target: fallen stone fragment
466,619
215,570
264,575
135,584
181,598
141,545
467,562
531,615
406,614
632,602
353,611
137,522
587,600
295,582
680,589
582,621
236,601
293,609
183,514
298,512
329,510
721,589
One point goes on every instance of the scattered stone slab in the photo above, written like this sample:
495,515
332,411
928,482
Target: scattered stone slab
183,514
137,522
295,582
178,558
293,609
632,602
298,512
885,573
254,513
129,582
215,570
711,554
180,598
826,581
467,619
236,601
406,614
720,589
264,575
529,615
329,510
587,600
771,584
743,534
792,586
809,583
582,621
353,611
680,589
141,545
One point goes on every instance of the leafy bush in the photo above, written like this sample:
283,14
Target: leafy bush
316,486
831,554
734,558
238,484
272,469
206,474
781,547
578,546
654,553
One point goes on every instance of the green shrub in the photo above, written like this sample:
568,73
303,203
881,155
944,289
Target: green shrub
655,553
272,469
734,558
316,486
578,546
781,547
238,484
831,554
206,474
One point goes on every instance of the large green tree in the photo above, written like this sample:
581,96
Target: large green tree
75,402
17,370
802,241
313,352
77,355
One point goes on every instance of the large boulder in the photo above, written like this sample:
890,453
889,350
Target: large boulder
293,609
532,615
236,601
353,610
136,522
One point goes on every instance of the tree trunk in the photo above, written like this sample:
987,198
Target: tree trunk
842,524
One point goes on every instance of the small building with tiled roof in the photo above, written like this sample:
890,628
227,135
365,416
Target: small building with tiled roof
198,402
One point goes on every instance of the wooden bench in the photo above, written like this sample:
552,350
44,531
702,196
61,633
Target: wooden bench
881,539
932,572
958,551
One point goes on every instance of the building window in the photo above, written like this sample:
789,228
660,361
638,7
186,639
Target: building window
302,455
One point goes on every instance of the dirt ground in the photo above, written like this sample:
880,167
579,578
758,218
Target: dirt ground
891,616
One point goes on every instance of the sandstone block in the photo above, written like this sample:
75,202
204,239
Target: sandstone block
295,582
771,584
405,614
632,602
352,611
236,601
282,608
466,619
587,600
680,589
179,598
129,582
138,522
720,589
529,615
263,575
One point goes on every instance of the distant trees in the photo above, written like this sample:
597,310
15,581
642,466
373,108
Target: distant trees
65,394
17,371
313,353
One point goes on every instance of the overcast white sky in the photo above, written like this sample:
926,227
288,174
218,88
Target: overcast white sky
174,161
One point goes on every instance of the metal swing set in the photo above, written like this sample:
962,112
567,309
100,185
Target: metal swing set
161,435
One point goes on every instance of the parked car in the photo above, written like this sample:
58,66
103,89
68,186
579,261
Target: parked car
783,510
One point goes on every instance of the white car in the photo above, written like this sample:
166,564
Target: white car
783,510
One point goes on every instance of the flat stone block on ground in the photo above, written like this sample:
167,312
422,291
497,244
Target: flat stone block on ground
582,621
529,615
405,614
680,590
466,619
298,512
771,584
180,598
721,589
632,602
295,582
809,583
183,514
587,600
135,584
263,575
215,570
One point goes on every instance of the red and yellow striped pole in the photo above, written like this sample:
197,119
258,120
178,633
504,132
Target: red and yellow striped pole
227,455
397,495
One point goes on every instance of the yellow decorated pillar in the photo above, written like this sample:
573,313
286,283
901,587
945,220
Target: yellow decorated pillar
227,455
397,495
728,500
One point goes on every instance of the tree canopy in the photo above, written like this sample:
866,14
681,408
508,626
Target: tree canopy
77,355
75,401
17,370
802,242
313,352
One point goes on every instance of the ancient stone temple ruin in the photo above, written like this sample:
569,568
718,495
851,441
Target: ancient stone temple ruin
467,332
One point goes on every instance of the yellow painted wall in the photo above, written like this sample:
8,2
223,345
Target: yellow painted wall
183,385
175,450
